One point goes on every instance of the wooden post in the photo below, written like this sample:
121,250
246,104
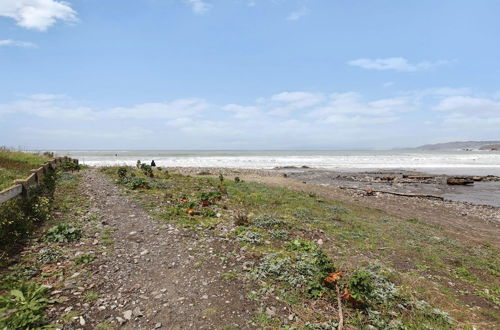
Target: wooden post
24,184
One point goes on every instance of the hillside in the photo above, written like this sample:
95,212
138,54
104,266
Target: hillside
457,145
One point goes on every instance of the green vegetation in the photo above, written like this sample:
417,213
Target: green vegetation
23,298
17,165
63,232
84,259
23,308
392,273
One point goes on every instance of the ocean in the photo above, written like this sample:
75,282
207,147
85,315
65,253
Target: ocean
436,162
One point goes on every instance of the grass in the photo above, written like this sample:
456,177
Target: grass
17,165
425,266
47,262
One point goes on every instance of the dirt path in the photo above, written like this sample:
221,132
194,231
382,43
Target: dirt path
158,276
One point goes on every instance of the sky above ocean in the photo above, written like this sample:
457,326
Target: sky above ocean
241,74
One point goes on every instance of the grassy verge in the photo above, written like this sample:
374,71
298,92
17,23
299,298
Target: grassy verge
17,165
310,253
56,251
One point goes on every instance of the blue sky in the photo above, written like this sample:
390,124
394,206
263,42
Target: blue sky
242,74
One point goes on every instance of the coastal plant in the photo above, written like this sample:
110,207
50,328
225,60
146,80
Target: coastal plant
147,170
252,237
19,216
122,172
70,166
138,183
23,307
49,255
40,210
84,259
370,286
279,234
303,269
237,179
63,232
268,221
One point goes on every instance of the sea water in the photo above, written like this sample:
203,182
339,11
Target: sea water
456,162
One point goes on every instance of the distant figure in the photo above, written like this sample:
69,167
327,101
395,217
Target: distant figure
138,164
153,164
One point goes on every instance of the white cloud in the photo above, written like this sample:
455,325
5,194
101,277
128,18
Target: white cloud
16,43
166,110
469,105
47,106
243,112
395,64
37,14
291,119
198,7
352,104
298,14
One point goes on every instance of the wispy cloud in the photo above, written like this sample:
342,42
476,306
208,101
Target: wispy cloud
198,7
396,64
297,14
16,43
287,119
37,14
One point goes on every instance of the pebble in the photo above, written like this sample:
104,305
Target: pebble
82,321
127,315
157,325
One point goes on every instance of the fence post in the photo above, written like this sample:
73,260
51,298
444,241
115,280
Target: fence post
23,183
37,177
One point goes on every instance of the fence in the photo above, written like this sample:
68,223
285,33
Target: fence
21,187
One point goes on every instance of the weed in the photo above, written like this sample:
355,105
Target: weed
84,259
23,308
122,172
63,232
49,255
251,237
279,234
91,296
268,221
369,286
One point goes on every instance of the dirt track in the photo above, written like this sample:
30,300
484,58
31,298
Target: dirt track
158,276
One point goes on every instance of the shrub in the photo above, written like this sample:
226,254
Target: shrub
40,210
237,179
49,255
279,234
138,183
23,308
147,170
122,172
70,166
252,237
368,285
305,269
63,233
19,216
268,221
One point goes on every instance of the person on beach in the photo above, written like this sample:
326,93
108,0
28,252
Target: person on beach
138,164
153,164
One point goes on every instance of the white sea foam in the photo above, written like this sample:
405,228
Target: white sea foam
449,162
